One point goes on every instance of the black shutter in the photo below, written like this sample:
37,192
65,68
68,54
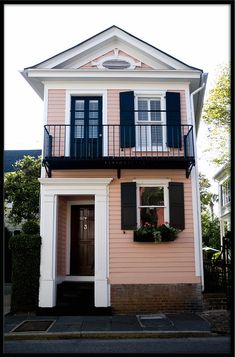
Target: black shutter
127,119
173,119
176,198
128,206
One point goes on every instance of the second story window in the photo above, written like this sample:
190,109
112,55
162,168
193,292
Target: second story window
225,193
150,120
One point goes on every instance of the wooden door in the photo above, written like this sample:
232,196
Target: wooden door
82,240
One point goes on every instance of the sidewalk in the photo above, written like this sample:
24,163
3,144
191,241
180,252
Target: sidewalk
117,326
204,324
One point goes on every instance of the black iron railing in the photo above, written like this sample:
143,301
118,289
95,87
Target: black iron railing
113,141
218,272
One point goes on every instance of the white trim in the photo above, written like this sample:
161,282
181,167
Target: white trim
45,74
151,94
86,92
153,183
68,225
79,278
112,36
148,85
130,60
50,189
45,115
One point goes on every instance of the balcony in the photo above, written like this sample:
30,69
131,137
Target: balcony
144,146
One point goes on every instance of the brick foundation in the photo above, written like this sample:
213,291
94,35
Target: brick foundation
155,298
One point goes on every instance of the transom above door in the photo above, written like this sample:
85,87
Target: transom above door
86,127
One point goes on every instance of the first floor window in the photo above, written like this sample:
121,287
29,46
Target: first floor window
152,205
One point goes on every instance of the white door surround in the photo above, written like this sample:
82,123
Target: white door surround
51,188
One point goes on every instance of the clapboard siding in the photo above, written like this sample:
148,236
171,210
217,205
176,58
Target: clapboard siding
56,106
128,257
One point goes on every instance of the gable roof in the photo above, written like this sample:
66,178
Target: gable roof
80,63
11,156
112,31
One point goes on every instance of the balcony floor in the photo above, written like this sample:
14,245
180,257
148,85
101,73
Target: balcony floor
118,163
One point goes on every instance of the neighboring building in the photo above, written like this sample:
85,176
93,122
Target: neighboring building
224,189
121,119
10,158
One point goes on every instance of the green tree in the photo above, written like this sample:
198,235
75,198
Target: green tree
216,114
210,223
22,190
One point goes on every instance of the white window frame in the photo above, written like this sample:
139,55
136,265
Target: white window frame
151,183
225,192
151,95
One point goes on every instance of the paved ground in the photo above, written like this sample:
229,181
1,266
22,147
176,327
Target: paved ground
207,323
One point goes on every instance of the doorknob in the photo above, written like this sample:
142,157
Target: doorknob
100,135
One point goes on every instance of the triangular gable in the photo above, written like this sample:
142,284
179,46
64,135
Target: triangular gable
82,55
118,54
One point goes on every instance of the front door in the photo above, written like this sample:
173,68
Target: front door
82,240
86,127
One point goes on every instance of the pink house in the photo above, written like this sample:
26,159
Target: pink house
120,127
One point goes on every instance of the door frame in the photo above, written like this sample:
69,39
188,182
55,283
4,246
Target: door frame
86,136
68,241
51,188
86,93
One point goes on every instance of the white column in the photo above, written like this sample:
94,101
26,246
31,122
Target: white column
47,287
101,231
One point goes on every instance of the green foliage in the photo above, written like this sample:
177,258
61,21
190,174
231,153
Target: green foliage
30,227
216,114
207,198
162,233
210,230
210,223
25,272
22,189
217,107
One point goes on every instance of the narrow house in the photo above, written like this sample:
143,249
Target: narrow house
120,127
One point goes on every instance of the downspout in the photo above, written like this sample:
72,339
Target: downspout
198,252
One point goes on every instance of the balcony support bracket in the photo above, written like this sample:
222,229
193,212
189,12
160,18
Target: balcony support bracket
119,173
47,168
189,169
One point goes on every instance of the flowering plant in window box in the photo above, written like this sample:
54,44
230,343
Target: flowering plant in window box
152,233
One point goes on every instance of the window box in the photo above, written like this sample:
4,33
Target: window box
161,234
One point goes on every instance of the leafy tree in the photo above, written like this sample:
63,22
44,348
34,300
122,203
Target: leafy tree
210,223
216,114
22,190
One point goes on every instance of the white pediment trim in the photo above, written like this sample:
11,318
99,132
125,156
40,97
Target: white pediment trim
109,39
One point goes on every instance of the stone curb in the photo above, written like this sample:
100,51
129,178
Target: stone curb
106,335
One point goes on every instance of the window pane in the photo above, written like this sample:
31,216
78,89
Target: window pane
142,105
93,115
79,115
93,129
156,135
79,104
151,196
155,105
142,136
79,129
153,216
93,105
